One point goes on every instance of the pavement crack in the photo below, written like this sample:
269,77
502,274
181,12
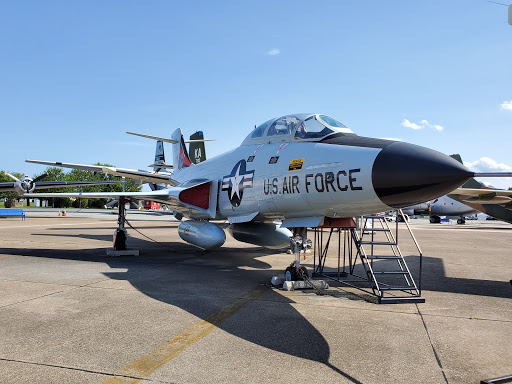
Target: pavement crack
35,298
82,370
438,359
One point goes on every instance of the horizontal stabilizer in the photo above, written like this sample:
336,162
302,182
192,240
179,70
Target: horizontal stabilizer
160,166
168,140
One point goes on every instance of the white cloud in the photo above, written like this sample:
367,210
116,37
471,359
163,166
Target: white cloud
422,124
507,105
407,124
274,52
486,164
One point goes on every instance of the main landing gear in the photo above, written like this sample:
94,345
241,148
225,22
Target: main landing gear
434,219
120,237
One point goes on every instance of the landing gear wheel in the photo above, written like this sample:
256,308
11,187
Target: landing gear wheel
461,221
435,219
304,272
290,274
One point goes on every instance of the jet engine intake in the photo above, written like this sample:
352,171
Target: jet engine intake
202,234
266,235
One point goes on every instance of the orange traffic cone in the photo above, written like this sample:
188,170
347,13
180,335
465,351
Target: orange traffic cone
64,213
59,212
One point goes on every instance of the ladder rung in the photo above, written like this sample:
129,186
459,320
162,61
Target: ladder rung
377,229
384,257
376,243
404,288
390,272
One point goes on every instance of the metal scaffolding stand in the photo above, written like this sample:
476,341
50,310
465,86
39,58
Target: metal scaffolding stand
370,241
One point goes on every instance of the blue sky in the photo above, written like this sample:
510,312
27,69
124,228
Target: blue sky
75,76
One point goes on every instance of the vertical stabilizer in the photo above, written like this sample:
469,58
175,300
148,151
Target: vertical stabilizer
179,151
196,149
159,155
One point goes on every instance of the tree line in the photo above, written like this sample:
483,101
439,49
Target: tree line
58,174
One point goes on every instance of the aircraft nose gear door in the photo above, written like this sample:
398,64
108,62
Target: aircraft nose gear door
298,242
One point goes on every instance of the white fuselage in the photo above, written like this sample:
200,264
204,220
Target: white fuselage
307,179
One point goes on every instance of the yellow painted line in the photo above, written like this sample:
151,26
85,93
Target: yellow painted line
142,367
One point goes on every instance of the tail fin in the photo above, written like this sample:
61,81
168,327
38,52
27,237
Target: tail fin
159,155
179,151
196,149
471,183
159,160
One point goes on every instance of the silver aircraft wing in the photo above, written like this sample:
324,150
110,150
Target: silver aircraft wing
62,184
197,199
17,187
141,175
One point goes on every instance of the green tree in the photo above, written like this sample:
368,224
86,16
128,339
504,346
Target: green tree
58,174
9,197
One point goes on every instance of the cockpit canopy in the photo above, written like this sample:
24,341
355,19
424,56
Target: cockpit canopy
304,126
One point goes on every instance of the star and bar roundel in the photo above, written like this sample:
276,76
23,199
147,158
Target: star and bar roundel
236,182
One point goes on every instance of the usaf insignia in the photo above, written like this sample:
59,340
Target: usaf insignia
236,182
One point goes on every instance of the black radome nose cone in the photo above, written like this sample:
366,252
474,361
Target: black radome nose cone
406,174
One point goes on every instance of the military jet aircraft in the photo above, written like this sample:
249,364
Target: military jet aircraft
493,202
301,170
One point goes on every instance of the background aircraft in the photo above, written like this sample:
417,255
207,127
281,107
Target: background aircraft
493,202
471,198
442,206
302,170
26,184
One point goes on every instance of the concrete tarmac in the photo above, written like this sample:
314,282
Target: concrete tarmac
176,314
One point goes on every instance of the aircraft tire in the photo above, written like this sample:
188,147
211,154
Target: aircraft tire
435,219
290,274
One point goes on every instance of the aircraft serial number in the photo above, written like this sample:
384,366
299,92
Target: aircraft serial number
319,182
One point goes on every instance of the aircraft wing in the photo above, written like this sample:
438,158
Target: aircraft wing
197,199
4,187
483,196
141,175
